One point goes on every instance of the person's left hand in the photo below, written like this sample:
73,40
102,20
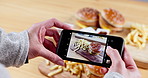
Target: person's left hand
124,66
39,45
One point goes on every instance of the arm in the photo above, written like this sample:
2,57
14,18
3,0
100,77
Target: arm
13,48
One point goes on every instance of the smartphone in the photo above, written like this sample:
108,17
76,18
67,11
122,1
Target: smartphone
87,47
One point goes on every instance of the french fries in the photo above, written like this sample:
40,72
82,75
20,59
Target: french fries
137,36
81,44
54,67
47,62
55,72
73,67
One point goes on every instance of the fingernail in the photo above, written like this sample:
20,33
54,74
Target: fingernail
60,63
108,48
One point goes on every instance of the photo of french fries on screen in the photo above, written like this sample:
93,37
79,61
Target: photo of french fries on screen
87,47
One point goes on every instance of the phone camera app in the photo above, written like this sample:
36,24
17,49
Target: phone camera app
87,47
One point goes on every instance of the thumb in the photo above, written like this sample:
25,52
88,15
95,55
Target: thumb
115,56
51,56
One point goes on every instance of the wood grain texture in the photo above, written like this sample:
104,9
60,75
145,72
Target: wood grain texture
19,15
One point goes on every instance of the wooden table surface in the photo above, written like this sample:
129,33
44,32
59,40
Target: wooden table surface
19,15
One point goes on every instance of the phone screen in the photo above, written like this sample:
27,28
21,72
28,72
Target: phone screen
87,47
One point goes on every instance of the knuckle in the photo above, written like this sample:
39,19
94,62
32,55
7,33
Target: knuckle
115,50
39,23
53,19
112,53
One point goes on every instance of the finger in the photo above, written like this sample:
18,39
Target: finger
59,24
53,33
54,22
114,55
49,45
104,70
51,56
41,34
129,62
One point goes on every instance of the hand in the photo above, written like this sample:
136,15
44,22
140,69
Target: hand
39,46
126,67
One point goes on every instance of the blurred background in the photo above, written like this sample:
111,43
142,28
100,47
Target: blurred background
19,15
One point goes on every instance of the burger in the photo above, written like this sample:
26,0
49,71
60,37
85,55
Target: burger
111,19
94,48
87,17
93,71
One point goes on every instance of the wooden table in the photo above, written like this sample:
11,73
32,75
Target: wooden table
18,15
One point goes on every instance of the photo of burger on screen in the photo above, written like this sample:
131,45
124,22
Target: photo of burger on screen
87,47
94,48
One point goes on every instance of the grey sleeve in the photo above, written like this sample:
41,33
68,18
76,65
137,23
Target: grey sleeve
4,73
13,48
113,75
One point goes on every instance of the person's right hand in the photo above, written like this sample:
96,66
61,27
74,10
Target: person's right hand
125,66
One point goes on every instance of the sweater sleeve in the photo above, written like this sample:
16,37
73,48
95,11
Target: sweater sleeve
13,48
113,75
4,72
